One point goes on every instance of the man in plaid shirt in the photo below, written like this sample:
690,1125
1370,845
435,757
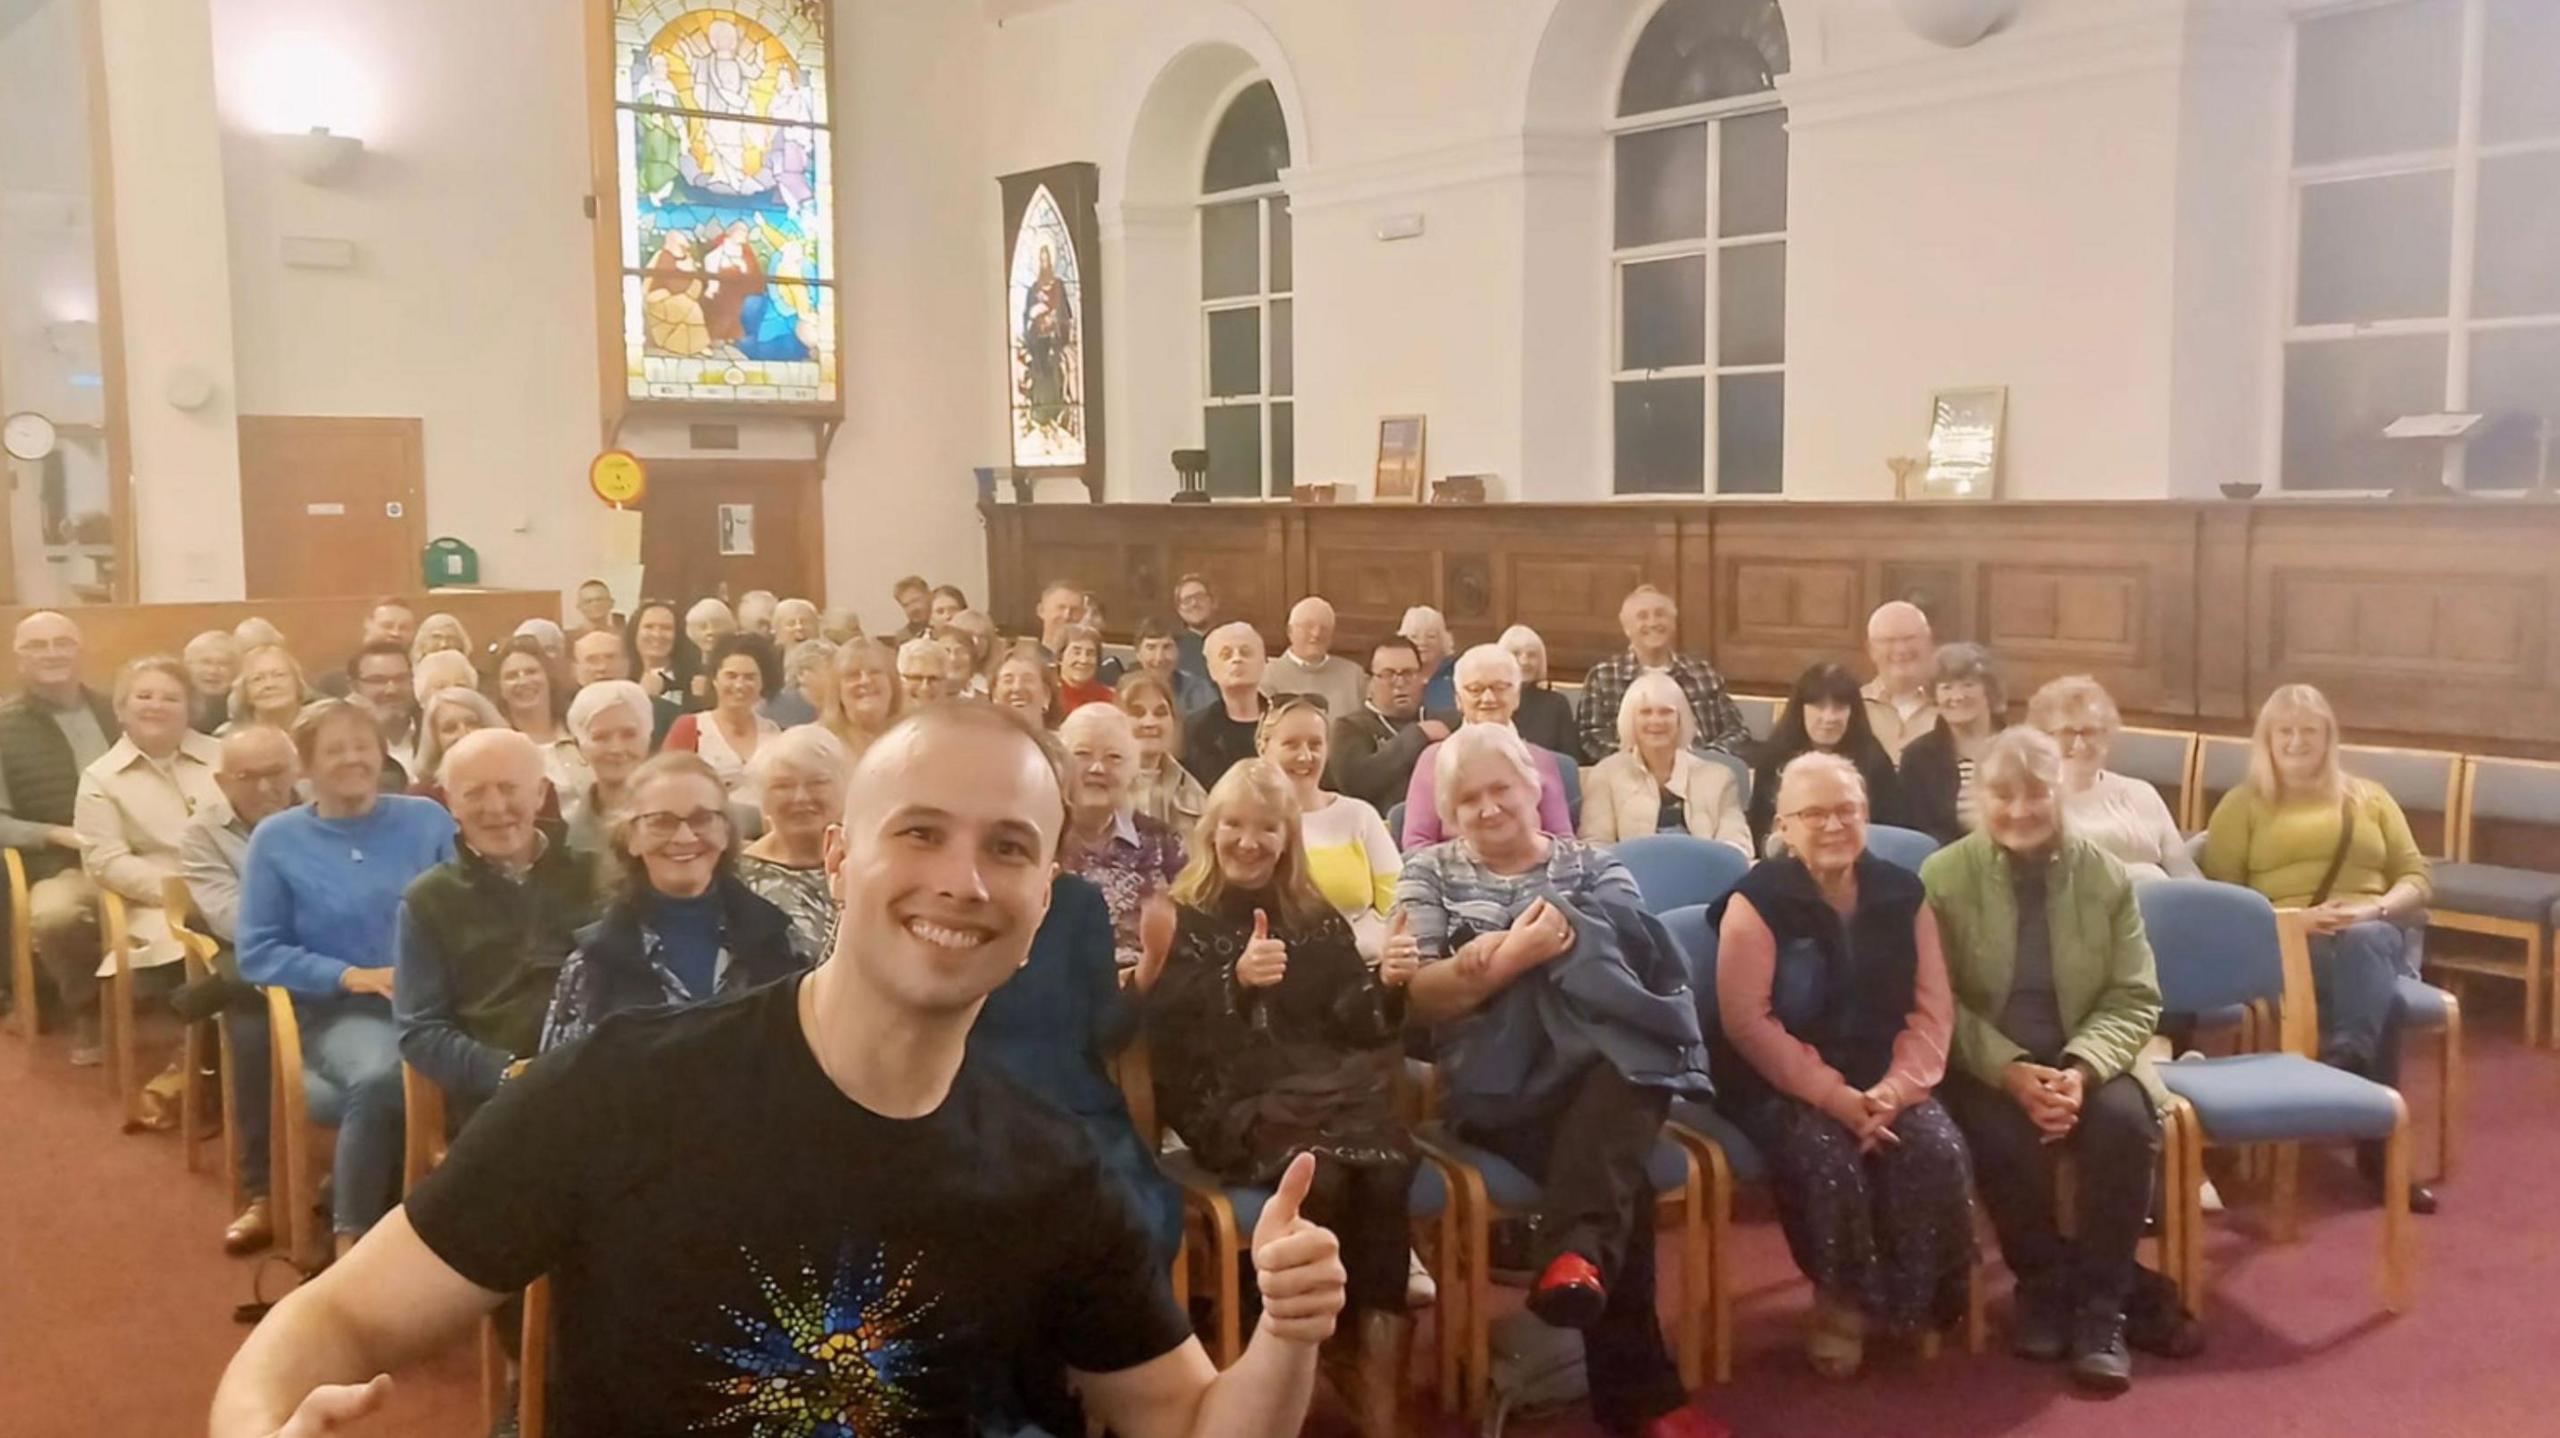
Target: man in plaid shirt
1652,622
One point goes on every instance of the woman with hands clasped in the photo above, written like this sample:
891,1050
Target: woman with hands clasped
1271,1038
1836,1019
2056,995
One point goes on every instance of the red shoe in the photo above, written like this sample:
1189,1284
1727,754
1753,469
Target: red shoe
1685,1422
1569,1294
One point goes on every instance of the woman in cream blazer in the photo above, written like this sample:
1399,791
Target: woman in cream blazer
1623,795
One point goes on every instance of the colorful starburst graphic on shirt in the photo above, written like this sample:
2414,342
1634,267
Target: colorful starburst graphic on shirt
835,1355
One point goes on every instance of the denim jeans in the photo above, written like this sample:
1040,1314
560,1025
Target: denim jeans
351,1077
2355,975
252,1094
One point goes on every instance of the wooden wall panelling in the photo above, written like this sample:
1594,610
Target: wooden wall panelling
1793,584
1372,563
2058,589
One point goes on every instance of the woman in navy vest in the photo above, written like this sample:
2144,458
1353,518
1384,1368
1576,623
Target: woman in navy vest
1836,1021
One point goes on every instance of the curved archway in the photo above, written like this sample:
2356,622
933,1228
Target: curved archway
1570,56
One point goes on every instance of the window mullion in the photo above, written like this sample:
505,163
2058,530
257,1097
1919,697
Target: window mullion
1711,447
2466,225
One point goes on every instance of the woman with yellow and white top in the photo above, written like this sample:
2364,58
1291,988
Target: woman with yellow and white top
1350,855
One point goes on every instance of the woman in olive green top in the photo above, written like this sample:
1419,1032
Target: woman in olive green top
2055,996
2282,832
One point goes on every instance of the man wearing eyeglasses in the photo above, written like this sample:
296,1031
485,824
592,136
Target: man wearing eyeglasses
54,728
806,1203
1375,745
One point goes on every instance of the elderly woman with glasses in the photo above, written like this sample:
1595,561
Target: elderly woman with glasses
2056,995
1130,857
1836,1022
1654,782
1488,680
800,781
610,721
2122,815
1938,767
682,927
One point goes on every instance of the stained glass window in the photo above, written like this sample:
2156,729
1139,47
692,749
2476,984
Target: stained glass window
727,200
1047,309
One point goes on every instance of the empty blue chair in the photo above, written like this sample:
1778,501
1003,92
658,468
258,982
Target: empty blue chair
1570,769
2218,945
1732,764
1900,846
1674,871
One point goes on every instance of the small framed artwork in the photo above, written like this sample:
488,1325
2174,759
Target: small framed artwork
737,531
1964,443
1400,455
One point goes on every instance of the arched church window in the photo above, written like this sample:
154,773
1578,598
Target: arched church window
726,216
1247,418
1699,253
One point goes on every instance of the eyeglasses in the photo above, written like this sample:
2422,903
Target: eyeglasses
1837,816
1486,689
663,823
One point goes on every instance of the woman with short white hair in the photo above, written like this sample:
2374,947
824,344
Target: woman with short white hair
1131,858
795,621
439,633
706,624
1488,681
443,669
444,716
547,633
808,672
612,722
799,780
1545,717
924,671
1655,783
1438,651
2120,814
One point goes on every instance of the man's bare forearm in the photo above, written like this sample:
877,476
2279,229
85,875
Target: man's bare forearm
1265,1395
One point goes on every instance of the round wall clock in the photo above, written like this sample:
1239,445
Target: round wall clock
27,435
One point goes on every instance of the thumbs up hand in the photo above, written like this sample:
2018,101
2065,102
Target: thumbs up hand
1265,959
1297,1264
1402,954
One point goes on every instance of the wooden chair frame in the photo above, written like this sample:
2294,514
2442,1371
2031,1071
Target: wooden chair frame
116,1007
2540,969
22,944
423,1125
200,951
2187,777
295,1144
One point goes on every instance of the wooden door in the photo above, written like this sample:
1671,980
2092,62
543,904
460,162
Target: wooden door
331,506
723,527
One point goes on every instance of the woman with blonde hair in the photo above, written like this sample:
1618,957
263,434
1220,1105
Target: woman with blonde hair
270,690
2122,815
1654,782
1272,1037
2309,836
865,699
1937,767
1545,717
1166,792
1351,858
443,669
444,716
439,633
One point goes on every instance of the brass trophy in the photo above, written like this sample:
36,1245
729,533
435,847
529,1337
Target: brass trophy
1903,467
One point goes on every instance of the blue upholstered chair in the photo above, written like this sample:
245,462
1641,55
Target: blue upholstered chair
1395,821
2499,900
1674,871
1897,845
2220,944
2165,759
1571,770
1732,764
1760,712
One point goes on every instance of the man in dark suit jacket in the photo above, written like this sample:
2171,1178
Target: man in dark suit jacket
1374,750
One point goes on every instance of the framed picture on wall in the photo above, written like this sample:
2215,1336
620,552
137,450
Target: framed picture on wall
1964,443
1399,477
1053,323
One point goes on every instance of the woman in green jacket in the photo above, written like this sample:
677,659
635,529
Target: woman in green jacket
2055,996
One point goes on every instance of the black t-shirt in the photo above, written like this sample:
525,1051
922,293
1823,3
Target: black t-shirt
736,1247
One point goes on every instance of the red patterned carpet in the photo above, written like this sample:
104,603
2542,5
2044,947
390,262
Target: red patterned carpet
115,1309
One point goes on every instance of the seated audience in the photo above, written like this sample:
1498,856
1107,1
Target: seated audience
597,655
705,624
742,669
1937,767
947,602
131,812
270,690
439,633
1160,654
380,678
1219,737
319,911
2055,997
865,699
50,732
1272,1038
390,621
1651,622
1061,603
963,666
1107,668
595,608
213,661
808,672
1438,652
915,606
681,927
535,700
776,1138
611,724
1375,746
1163,790
1022,683
924,670
548,636
258,774
755,611
1195,603
1130,857
448,714
982,633
1309,666
799,783
1489,694
255,632
2118,813
2310,836
1901,701
1080,680
1489,911
839,626
1824,714
666,658
1351,858
1836,1023
1654,782
1546,717
795,621
483,934
1054,1028
443,669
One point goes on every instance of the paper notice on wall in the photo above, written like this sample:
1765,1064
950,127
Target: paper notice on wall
737,531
